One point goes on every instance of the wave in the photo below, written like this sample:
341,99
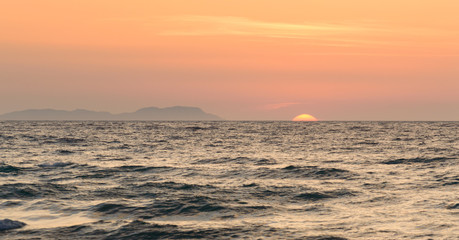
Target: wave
185,206
316,196
453,206
163,207
111,208
64,152
7,137
5,168
368,142
325,238
417,160
196,128
11,203
448,180
312,172
139,168
122,158
181,205
148,190
360,129
121,171
139,229
24,191
55,165
143,230
173,186
63,140
7,224
237,160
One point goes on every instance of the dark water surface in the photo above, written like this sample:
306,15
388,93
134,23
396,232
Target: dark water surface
229,180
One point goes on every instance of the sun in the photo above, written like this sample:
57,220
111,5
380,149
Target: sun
305,118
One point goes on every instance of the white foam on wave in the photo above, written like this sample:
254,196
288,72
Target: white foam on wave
7,224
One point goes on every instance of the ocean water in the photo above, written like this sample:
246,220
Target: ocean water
229,180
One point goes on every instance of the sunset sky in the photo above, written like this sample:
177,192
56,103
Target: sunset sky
239,59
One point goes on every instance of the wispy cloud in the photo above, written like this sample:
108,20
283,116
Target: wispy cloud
211,25
276,106
331,34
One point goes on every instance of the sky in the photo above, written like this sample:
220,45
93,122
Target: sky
239,59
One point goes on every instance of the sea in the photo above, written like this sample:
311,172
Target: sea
229,180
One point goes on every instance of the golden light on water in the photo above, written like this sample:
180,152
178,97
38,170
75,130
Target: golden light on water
305,118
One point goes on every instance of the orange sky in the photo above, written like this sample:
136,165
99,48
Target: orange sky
251,59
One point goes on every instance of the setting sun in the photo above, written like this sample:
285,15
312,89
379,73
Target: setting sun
305,118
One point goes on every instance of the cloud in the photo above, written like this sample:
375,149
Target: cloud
276,106
370,33
228,25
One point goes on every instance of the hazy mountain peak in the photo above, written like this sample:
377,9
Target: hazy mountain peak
147,109
148,113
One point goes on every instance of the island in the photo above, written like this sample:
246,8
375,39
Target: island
176,113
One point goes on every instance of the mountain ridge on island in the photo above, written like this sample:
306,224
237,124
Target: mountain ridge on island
175,113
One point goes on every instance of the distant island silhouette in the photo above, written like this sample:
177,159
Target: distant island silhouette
176,113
